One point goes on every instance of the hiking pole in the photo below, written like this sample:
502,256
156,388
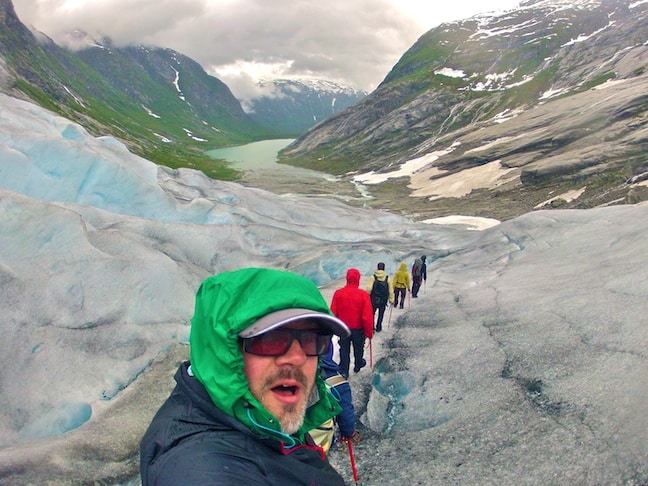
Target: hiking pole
390,311
370,353
352,459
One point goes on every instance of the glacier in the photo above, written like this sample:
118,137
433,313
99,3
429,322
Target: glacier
522,361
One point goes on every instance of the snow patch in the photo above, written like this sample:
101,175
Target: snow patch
584,37
506,115
190,134
451,73
465,222
75,97
434,184
567,197
551,93
407,169
162,137
154,115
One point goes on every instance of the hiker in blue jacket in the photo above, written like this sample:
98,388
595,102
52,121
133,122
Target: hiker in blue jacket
324,435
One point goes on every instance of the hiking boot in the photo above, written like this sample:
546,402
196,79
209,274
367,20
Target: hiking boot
401,306
378,328
357,368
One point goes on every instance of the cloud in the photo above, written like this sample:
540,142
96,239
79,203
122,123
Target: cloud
353,42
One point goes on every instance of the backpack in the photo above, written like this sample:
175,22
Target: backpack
416,268
324,435
380,292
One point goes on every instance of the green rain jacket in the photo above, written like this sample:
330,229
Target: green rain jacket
216,360
225,305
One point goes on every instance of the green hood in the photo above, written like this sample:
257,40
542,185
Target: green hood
226,304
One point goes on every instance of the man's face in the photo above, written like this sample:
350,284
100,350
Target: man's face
283,384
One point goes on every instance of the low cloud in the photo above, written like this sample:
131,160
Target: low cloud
354,43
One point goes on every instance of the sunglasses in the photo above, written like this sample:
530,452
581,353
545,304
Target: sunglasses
278,342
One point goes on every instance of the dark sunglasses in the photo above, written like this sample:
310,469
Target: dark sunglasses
278,342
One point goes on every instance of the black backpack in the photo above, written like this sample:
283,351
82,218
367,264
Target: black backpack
417,268
380,292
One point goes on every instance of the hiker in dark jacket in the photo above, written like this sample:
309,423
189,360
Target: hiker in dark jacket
243,405
423,269
381,292
419,275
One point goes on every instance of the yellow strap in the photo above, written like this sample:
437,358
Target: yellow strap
336,380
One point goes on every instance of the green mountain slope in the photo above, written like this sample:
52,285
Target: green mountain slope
161,104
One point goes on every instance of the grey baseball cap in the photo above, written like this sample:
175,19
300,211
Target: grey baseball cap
276,319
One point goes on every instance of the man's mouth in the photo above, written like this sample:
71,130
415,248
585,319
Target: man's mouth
288,386
287,393
284,389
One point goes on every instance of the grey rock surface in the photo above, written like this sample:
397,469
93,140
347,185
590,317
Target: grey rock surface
525,361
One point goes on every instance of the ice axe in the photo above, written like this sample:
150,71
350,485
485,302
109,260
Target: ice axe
349,444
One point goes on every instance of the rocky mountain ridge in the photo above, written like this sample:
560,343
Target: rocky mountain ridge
159,102
550,95
296,105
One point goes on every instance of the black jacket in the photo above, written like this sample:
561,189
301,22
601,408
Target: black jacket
192,442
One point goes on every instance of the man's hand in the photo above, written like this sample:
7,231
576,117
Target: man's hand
355,438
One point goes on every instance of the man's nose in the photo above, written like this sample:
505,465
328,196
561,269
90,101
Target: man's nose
295,354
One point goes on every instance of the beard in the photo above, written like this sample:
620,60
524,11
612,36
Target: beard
291,417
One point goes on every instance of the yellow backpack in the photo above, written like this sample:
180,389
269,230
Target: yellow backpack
324,434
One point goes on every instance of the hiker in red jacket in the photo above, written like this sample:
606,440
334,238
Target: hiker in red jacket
352,305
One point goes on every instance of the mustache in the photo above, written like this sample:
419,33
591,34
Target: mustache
287,373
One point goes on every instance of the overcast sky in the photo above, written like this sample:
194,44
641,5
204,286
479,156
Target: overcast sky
354,42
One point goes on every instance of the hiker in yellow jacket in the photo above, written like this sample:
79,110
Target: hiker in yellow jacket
402,285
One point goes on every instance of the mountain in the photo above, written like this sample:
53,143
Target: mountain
171,85
542,106
293,106
162,104
494,116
